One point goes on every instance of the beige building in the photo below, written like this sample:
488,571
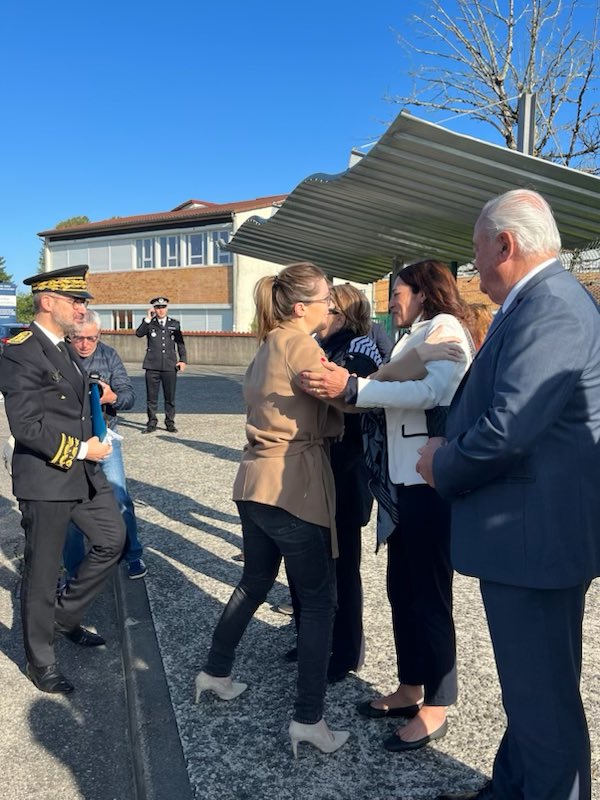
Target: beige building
179,254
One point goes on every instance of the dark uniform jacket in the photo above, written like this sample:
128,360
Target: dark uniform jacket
48,410
165,344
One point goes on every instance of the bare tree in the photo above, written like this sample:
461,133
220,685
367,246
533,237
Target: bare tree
479,59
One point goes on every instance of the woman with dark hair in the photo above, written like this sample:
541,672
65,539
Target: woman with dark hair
285,495
419,578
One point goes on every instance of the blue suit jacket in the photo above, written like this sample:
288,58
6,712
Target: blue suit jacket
522,465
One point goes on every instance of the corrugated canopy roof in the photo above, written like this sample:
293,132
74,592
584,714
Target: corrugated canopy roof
416,194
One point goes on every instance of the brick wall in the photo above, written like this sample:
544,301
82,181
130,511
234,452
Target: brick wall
381,295
180,285
591,281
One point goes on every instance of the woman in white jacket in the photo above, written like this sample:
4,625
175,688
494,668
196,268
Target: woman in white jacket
424,299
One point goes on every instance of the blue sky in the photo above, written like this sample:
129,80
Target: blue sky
124,108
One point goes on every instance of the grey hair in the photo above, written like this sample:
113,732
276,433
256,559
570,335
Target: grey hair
527,216
90,318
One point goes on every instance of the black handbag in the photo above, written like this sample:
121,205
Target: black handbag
436,420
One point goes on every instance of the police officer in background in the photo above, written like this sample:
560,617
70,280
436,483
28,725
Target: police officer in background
165,356
56,474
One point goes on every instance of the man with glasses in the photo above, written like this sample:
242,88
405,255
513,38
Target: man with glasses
165,357
55,473
103,364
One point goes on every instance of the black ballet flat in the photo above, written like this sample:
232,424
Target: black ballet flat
365,709
291,656
397,745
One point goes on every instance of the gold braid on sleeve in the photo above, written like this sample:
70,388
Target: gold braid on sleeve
67,452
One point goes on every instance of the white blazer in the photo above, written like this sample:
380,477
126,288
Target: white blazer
405,401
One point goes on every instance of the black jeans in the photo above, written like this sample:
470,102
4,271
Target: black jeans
419,584
270,533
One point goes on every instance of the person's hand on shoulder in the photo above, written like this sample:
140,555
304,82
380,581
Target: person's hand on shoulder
446,350
327,384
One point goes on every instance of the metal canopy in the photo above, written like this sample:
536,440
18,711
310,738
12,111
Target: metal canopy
416,194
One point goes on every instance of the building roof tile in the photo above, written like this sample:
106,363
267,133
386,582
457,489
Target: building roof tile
190,210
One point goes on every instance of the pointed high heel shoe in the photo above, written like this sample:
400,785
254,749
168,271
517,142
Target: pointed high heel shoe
224,688
318,735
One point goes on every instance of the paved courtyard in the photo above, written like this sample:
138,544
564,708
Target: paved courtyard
181,485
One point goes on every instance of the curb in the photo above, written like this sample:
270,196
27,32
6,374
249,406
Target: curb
159,766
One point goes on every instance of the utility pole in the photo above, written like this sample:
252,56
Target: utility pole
526,123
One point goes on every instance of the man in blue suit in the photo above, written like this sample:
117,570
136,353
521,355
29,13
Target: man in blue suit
521,466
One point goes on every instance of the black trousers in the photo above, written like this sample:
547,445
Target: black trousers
347,639
271,533
419,584
536,634
346,646
45,525
154,379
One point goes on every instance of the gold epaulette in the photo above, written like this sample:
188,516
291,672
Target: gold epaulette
20,337
67,452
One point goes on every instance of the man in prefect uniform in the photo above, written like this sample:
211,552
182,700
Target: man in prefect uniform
165,357
56,474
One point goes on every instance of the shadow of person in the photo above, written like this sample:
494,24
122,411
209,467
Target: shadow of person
216,450
86,732
184,509
12,543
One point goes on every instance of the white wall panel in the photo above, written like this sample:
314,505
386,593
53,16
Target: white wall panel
99,257
121,256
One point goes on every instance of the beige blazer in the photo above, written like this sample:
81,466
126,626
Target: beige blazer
285,462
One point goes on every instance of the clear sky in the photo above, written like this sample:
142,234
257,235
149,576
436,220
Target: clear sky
121,108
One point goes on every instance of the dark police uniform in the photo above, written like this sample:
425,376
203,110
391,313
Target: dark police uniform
164,349
47,405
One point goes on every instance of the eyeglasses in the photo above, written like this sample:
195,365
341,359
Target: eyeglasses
326,299
73,301
80,339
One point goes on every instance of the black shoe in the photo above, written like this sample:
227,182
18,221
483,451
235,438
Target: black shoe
336,677
397,745
80,636
171,429
149,429
48,679
365,709
291,656
485,793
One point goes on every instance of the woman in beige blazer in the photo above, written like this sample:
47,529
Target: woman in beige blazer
286,497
